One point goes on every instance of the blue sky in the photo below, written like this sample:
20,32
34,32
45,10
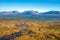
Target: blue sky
36,5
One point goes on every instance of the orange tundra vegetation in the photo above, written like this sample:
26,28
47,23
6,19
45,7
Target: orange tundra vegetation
28,30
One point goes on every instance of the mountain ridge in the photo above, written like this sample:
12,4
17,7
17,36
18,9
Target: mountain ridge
31,15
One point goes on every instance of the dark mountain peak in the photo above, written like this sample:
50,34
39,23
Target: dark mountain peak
9,12
29,12
52,12
15,11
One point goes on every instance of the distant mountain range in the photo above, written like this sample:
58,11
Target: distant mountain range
49,16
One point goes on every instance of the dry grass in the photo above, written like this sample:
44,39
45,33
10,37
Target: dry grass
32,31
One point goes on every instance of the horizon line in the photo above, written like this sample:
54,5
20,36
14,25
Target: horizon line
27,10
